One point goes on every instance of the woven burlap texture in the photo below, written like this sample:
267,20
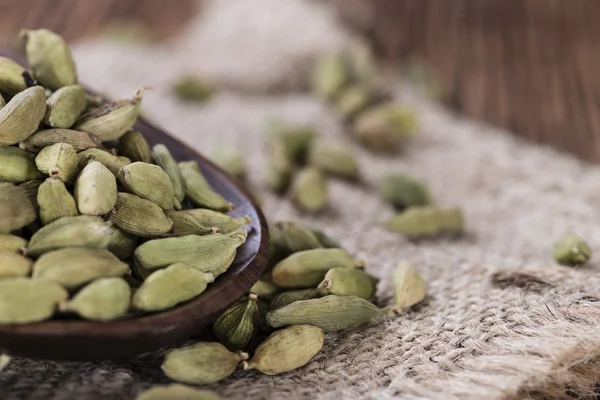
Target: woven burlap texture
501,321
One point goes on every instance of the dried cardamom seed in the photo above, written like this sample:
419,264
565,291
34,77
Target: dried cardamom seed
13,265
25,300
279,168
110,161
149,182
230,161
168,287
409,287
287,349
177,392
214,219
264,288
49,58
199,190
47,137
384,128
65,106
331,313
334,159
236,327
104,299
12,243
192,89
139,216
11,78
55,201
354,99
285,298
294,237
330,75
17,165
95,189
121,244
348,282
16,210
309,190
185,224
308,268
22,115
134,146
571,250
402,191
59,161
163,157
81,231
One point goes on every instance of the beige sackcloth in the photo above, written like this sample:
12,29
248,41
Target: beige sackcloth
530,332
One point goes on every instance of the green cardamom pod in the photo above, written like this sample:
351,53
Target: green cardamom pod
110,161
11,78
287,349
309,190
168,287
177,392
201,363
65,106
409,287
139,216
279,169
326,241
149,182
415,222
571,250
81,231
94,100
74,267
348,282
331,313
403,191
199,190
230,161
354,99
330,75
13,265
450,220
47,137
214,219
185,224
285,298
334,159
17,165
16,210
295,237
31,189
163,157
308,268
55,201
134,146
236,327
59,161
296,140
49,58
12,243
384,128
193,89
22,115
110,121
121,244
264,288
95,189
25,300
104,299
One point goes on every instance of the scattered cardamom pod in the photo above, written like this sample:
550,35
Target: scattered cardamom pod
309,190
22,115
213,219
13,265
230,161
47,137
384,128
238,324
285,298
201,363
353,99
11,78
402,191
294,237
12,243
121,244
279,168
25,300
184,224
139,216
110,161
104,299
192,89
55,201
149,182
348,282
134,146
95,189
65,106
571,250
17,165
426,221
330,75
16,210
409,287
264,288
334,159
177,392
164,158
450,220
199,190
59,161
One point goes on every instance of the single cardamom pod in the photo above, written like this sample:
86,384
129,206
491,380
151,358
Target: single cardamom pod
450,220
285,298
334,159
409,287
13,265
16,210
22,115
330,75
11,78
74,267
121,244
354,99
287,349
279,169
31,189
177,392
384,128
295,237
59,161
17,165
230,161
403,191
348,282
168,287
214,219
139,216
49,58
199,190
47,137
163,157
55,201
65,106
331,313
326,241
296,140
192,89
134,146
571,250
415,222
110,161
149,182
185,224
81,231
104,299
308,268
12,243
201,363
110,121
236,327
25,300
309,190
95,189
264,288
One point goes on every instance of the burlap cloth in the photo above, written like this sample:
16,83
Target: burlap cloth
530,332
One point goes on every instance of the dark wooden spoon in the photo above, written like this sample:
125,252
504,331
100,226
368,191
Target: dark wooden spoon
83,340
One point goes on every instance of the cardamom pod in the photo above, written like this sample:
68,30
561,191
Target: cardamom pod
450,220
104,299
74,267
110,161
348,282
193,89
290,296
177,392
331,313
296,140
16,210
121,244
25,300
409,287
279,168
139,216
134,146
230,161
334,159
264,288
295,237
199,190
22,115
326,241
403,191
94,100
214,219
58,160
308,268
81,231
31,189
110,121
354,99
163,157
55,201
309,190
49,58
12,243
65,106
185,224
330,75
47,137
149,182
11,78
13,265
384,128
571,250
17,165
168,287
95,189
201,363
287,349
236,327
415,222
